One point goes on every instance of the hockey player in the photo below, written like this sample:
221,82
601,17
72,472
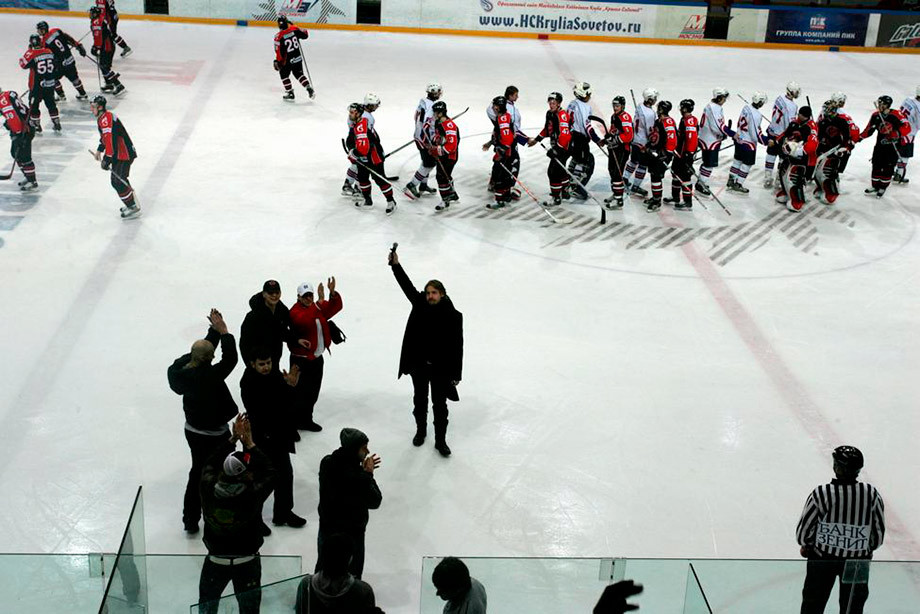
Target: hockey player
511,96
371,102
840,99
797,145
892,131
104,49
116,154
39,61
60,44
833,142
365,150
16,120
581,164
289,57
504,147
784,111
910,111
619,139
682,166
662,143
556,128
111,19
424,131
747,137
444,149
635,169
712,132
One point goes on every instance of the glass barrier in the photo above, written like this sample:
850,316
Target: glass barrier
127,588
695,601
273,598
51,583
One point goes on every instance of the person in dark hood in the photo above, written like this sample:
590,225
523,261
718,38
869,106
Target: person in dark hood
234,485
463,594
268,324
347,490
207,404
332,590
432,353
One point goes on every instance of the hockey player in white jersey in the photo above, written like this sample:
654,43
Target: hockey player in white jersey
747,137
371,102
713,131
910,109
784,111
581,164
511,96
424,132
644,121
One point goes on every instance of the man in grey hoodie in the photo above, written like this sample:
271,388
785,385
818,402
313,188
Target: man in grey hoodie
463,594
332,590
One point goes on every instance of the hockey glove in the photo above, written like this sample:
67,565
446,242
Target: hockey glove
106,163
94,50
276,65
434,151
552,153
81,50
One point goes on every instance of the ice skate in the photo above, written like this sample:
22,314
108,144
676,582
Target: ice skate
768,182
119,90
441,206
131,211
28,185
652,204
411,190
703,189
425,189
684,206
126,51
391,207
288,96
495,205
348,189
311,92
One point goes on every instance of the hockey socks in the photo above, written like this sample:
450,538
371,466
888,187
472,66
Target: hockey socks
705,174
421,175
739,172
628,171
28,169
901,172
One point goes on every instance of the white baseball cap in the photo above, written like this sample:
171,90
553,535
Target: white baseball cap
304,288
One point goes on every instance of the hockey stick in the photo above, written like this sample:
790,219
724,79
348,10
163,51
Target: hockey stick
303,58
585,188
9,174
535,199
370,170
114,174
403,146
711,193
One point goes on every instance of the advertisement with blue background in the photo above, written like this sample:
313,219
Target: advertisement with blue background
57,5
817,27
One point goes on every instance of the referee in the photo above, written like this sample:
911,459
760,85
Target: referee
843,522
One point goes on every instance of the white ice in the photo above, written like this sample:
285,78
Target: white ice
619,398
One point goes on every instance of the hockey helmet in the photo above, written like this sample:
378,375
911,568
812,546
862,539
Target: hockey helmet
501,102
283,22
719,92
829,108
758,99
839,98
687,105
439,108
35,41
42,27
849,459
885,100
664,107
793,89
649,94
805,111
371,99
95,12
433,89
619,100
582,89
357,107
555,96
99,101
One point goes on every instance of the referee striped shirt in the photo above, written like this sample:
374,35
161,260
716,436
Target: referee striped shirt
844,519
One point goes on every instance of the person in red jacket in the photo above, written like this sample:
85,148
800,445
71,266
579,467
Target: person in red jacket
892,130
16,120
618,140
39,61
289,57
557,129
445,150
104,49
504,146
365,150
682,166
798,144
310,331
116,153
662,143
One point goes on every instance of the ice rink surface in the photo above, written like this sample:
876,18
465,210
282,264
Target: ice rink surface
669,385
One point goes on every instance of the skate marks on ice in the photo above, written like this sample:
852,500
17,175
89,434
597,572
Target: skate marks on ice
175,73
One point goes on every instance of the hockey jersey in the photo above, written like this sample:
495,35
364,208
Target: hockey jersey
805,134
557,129
114,141
519,135
621,129
15,113
60,43
287,45
503,136
424,121
363,142
447,139
910,110
833,131
663,136
645,120
891,127
784,111
748,133
712,127
102,35
579,112
40,64
687,135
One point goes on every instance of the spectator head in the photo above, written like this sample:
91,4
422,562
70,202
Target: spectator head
338,550
451,578
271,292
511,93
202,352
305,294
847,462
434,292
354,440
262,360
235,466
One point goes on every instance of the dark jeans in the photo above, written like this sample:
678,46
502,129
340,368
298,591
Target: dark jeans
246,578
356,568
307,389
284,481
423,378
201,446
819,582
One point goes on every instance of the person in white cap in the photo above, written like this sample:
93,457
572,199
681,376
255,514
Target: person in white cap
311,338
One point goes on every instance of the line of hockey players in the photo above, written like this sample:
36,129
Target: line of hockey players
809,148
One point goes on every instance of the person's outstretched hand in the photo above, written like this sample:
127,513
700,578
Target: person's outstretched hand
613,599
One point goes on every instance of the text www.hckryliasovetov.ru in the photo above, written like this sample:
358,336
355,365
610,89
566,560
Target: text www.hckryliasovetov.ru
561,24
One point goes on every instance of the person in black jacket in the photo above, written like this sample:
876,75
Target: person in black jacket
234,485
268,324
432,353
207,403
347,491
268,396
332,590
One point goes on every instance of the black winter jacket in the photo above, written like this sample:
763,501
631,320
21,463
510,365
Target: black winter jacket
205,396
346,493
261,326
269,403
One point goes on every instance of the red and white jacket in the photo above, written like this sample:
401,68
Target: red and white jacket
687,135
503,136
114,142
446,140
664,135
102,35
557,129
15,113
40,64
306,323
364,143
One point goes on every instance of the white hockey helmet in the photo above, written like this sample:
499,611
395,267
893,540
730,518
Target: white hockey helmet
649,94
433,88
582,89
758,99
719,92
371,99
793,89
838,98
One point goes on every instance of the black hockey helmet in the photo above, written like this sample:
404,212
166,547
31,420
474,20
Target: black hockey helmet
664,107
356,106
885,100
42,26
554,96
829,108
95,12
35,41
848,459
501,103
439,108
620,100
687,105
805,111
99,101
283,22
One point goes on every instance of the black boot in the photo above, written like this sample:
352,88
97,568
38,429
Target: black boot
440,440
421,431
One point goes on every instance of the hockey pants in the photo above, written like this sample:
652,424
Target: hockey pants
38,95
501,180
616,163
581,165
296,67
681,178
884,157
364,180
21,150
555,172
121,169
444,172
792,185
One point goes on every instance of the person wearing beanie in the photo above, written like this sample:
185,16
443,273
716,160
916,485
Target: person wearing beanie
234,485
432,353
207,404
347,490
463,594
332,589
268,324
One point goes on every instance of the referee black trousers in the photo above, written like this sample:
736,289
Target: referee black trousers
819,582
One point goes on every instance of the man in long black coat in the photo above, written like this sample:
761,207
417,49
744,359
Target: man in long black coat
268,324
432,353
